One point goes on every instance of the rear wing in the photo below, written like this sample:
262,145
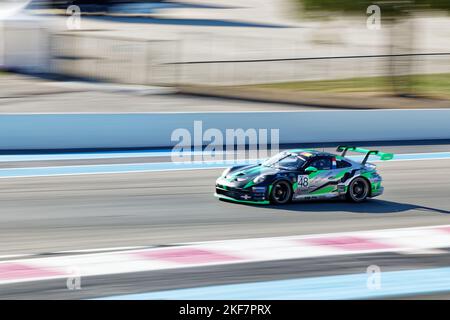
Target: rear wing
383,155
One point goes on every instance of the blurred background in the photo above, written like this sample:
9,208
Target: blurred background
275,45
90,92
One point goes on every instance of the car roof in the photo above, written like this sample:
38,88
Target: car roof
309,153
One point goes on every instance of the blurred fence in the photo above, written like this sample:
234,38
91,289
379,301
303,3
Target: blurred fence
303,69
114,59
202,62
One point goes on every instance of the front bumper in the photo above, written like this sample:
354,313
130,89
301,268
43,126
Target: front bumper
248,195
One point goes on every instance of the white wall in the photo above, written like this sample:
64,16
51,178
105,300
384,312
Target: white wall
55,131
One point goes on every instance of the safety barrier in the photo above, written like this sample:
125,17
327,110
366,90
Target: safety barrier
74,131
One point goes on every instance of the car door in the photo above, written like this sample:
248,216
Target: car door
321,182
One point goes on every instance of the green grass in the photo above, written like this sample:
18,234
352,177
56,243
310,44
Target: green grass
434,85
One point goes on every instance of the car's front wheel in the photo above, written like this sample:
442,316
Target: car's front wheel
358,190
281,192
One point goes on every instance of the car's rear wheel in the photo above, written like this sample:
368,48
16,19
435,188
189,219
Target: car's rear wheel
281,192
358,190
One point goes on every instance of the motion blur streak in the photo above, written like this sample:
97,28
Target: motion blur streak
106,77
48,214
394,283
167,166
61,213
168,153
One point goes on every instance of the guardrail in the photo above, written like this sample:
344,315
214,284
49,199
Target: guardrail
80,131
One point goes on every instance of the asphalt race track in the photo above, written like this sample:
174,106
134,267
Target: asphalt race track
42,215
48,214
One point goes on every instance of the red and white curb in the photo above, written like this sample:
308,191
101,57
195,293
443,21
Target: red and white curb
125,260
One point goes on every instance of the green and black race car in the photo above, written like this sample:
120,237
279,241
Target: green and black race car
303,174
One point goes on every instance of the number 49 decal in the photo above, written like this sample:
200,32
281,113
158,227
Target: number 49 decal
303,181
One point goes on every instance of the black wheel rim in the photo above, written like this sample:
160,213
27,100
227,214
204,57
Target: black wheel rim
281,192
359,190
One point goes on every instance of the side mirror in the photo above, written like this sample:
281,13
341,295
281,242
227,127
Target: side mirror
311,169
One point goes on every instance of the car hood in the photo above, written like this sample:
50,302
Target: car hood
246,174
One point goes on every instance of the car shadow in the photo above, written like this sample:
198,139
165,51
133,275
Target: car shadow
371,206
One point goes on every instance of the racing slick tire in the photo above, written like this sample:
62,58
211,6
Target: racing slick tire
358,190
281,192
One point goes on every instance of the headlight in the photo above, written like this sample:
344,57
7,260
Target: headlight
225,172
259,179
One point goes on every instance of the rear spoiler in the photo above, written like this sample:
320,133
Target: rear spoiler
383,155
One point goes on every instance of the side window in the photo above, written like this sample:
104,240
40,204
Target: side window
323,163
342,164
291,162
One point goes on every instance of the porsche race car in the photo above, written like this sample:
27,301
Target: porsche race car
303,174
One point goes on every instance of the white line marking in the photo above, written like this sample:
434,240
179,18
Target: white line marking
10,256
103,249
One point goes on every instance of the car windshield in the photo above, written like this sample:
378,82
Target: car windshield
285,160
